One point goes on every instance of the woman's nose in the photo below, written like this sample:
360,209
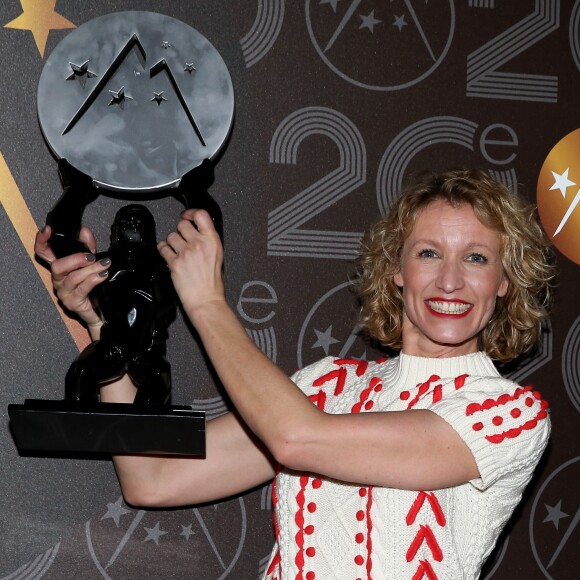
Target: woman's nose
450,276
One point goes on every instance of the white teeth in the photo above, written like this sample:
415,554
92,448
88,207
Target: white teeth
449,307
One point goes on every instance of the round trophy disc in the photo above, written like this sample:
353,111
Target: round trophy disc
135,100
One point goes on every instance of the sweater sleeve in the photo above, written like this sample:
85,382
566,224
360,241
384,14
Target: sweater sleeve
505,426
304,377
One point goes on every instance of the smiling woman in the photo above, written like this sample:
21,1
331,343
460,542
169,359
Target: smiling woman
465,211
451,275
404,468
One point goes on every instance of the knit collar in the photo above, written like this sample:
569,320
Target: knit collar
407,369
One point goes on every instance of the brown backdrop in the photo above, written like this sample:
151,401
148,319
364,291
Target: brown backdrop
338,102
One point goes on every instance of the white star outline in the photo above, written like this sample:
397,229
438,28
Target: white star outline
115,510
369,22
154,533
400,22
325,339
562,183
555,514
187,531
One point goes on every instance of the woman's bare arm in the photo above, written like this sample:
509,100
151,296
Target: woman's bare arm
235,460
409,450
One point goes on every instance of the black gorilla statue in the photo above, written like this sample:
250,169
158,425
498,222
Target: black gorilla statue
137,304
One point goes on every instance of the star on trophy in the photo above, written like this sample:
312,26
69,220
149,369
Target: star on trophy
134,105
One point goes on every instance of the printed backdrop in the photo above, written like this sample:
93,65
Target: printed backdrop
338,103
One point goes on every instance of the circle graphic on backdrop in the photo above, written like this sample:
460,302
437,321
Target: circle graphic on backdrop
555,522
124,539
135,100
571,364
401,43
558,195
324,333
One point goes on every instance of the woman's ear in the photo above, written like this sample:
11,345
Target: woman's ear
398,279
503,287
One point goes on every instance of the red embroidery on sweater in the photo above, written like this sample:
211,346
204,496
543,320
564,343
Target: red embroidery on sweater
460,381
515,432
510,416
437,392
425,534
418,504
361,365
423,390
274,563
319,399
425,569
338,374
276,559
365,394
473,408
299,519
369,532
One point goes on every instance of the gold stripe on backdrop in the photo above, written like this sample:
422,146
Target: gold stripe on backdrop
26,228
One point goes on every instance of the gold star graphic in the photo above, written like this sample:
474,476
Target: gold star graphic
40,18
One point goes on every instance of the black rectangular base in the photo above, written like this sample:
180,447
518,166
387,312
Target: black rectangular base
64,426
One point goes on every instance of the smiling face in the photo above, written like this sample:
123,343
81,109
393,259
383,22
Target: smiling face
451,275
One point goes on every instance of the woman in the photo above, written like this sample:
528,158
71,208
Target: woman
401,468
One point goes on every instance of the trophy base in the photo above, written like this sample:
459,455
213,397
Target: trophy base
65,426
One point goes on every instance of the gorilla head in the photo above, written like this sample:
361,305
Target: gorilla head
133,228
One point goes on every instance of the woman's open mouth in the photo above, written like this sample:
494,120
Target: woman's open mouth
448,308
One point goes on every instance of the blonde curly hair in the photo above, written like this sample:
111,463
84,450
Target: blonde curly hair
526,256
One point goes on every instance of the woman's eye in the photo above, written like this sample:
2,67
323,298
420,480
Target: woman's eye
477,259
427,254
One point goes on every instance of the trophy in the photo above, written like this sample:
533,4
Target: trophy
134,105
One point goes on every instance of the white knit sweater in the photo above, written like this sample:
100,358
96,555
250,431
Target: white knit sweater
329,530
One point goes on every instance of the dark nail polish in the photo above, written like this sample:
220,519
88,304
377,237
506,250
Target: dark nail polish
103,274
90,257
105,262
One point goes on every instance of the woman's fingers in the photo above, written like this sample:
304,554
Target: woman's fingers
200,219
194,255
42,246
42,243
79,274
195,224
88,238
74,284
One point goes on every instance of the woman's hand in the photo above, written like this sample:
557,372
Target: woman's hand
194,254
74,276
